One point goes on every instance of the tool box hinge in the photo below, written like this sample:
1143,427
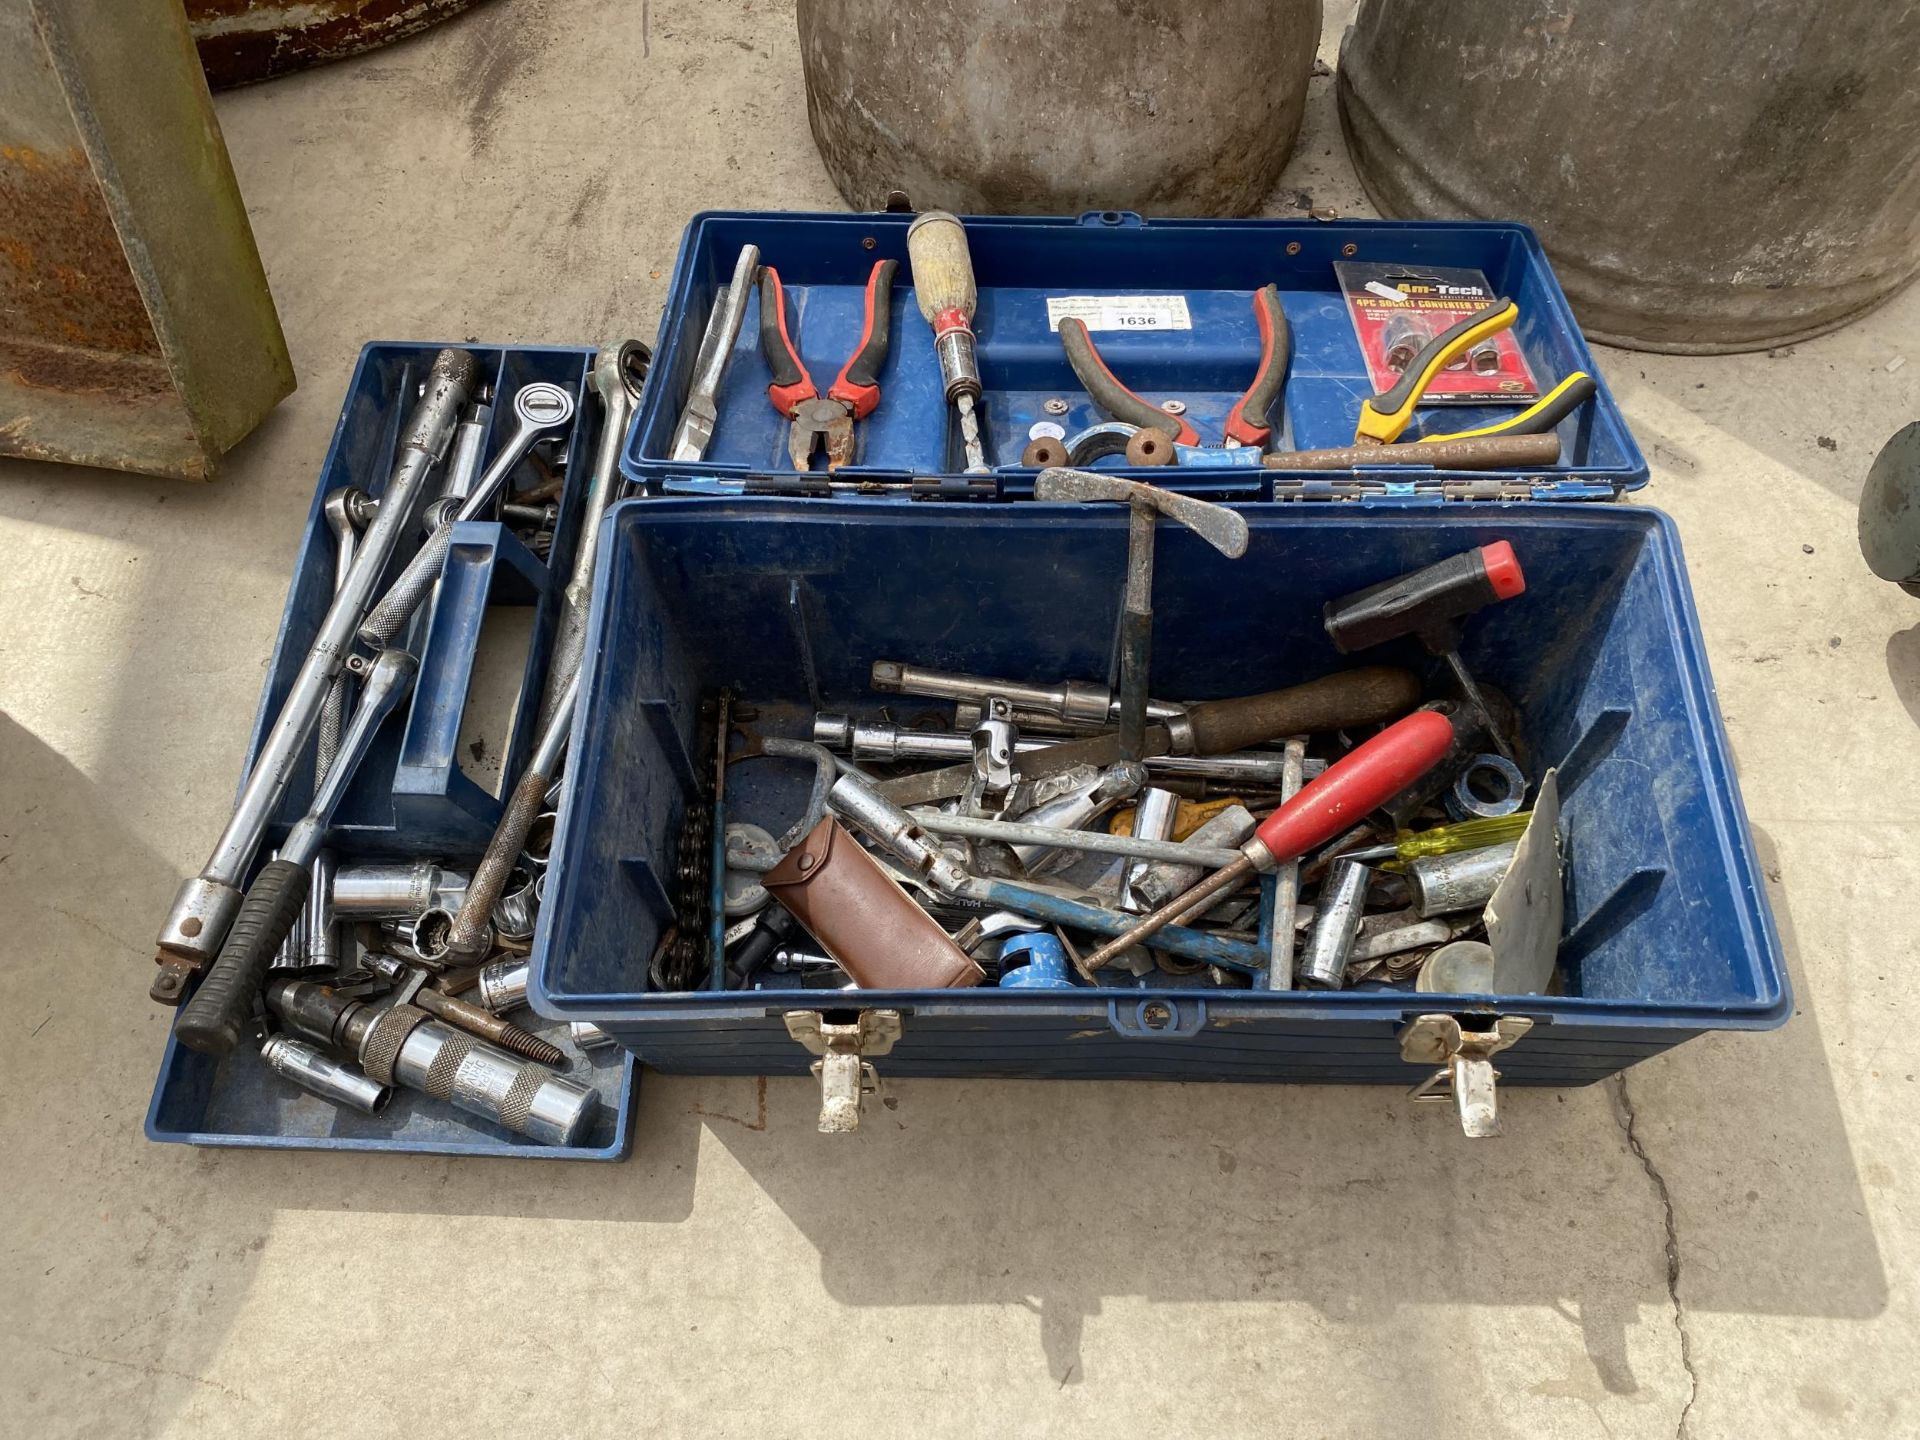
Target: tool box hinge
1402,492
1491,489
1577,490
1371,492
846,1075
1464,1057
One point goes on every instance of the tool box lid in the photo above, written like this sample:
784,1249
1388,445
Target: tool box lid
1174,300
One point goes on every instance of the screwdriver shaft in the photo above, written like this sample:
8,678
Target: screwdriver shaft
970,435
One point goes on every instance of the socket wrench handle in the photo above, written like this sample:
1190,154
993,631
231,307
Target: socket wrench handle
214,1019
216,1016
618,377
538,410
389,678
344,508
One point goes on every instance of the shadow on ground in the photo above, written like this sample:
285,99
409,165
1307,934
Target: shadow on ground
1903,667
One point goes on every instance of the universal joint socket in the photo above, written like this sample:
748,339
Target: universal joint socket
401,1045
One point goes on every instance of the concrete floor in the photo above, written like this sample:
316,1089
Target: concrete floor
1718,1246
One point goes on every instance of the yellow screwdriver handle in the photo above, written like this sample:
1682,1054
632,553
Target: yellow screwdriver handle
1462,835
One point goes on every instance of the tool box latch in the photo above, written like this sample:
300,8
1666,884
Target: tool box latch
845,1074
1464,1057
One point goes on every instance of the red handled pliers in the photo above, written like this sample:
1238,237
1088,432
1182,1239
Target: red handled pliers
1246,422
855,391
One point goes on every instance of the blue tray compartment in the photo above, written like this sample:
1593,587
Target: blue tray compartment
410,796
824,260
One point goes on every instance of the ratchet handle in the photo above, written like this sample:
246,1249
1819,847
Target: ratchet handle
1247,421
791,384
857,386
1538,418
387,619
1384,416
1109,394
1359,783
216,1017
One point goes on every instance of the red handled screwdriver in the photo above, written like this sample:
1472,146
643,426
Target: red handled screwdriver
1369,776
1430,603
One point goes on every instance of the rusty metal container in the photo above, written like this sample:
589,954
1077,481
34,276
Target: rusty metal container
1705,179
136,330
241,41
1056,106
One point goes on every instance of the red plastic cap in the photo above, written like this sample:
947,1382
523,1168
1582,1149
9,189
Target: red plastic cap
1357,784
1503,569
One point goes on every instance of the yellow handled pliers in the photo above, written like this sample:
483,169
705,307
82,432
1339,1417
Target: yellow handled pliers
1538,418
1384,417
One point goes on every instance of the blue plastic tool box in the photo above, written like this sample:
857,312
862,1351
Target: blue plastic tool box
786,602
1019,261
411,795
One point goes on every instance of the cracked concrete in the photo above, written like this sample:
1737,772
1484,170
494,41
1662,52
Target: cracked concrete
1623,1104
1726,1243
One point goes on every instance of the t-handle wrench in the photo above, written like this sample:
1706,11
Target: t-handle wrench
216,1016
538,410
204,906
1429,604
1224,529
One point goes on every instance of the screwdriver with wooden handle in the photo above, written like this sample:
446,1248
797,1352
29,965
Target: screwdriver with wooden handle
943,286
1363,780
